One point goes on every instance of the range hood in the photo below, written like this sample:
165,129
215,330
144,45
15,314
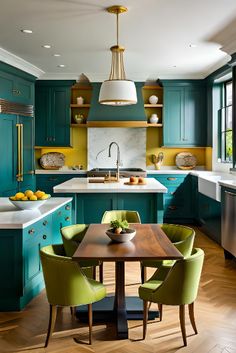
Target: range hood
104,113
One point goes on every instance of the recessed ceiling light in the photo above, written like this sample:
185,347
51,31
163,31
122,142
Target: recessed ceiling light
28,31
61,65
56,55
46,46
192,45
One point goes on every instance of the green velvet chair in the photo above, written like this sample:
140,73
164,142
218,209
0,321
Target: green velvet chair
178,287
67,285
181,236
130,216
72,235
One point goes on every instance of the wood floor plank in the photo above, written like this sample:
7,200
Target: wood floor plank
215,315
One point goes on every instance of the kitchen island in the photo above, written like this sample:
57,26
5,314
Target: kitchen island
22,234
93,197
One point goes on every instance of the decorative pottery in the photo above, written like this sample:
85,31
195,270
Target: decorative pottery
121,238
78,118
154,119
52,160
153,99
80,100
185,160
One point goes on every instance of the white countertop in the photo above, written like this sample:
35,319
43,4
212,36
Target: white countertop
228,183
13,218
82,185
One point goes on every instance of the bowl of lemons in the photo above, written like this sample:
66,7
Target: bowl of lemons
29,200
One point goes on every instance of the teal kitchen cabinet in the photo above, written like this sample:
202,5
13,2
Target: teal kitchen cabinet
178,206
185,121
52,113
16,85
22,278
48,181
13,154
209,213
61,218
91,206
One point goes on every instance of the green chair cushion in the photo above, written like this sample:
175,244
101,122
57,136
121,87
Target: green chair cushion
130,216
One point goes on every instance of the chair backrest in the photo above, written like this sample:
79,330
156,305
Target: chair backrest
181,284
130,216
72,236
65,283
181,236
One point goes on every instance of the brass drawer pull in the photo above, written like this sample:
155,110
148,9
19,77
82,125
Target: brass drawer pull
67,218
44,236
45,223
59,213
171,178
67,207
31,231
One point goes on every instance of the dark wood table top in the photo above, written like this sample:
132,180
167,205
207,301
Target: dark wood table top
149,243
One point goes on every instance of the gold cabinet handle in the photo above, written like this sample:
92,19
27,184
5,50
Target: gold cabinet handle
67,218
67,207
19,173
45,223
22,161
171,178
31,231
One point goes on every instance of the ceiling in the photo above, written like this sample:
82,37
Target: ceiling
155,33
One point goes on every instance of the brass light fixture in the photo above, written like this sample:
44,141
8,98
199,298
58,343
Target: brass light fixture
117,91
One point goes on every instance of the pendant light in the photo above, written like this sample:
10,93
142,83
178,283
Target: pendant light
117,91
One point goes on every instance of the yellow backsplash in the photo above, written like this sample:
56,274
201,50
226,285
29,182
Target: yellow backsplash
77,155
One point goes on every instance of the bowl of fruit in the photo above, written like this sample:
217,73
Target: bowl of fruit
120,231
29,200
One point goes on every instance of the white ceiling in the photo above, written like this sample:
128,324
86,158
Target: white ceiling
155,33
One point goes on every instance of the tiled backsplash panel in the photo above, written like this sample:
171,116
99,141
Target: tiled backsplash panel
132,143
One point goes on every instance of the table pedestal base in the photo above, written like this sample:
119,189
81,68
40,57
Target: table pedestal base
104,311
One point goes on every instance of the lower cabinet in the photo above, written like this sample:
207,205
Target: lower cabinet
22,278
90,207
209,214
48,181
178,205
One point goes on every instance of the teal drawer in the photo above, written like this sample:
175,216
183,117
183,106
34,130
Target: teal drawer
169,179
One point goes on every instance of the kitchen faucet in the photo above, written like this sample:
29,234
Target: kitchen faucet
117,159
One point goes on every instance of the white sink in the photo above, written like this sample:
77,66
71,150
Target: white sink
209,186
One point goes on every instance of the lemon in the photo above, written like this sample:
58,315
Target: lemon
29,193
39,193
25,198
45,197
13,198
33,198
19,195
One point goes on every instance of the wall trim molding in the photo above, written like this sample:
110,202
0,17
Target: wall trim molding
17,62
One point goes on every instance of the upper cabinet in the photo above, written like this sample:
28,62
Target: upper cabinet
52,113
80,104
16,86
153,104
185,113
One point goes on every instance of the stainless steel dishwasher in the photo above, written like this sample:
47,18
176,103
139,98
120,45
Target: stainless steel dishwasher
228,234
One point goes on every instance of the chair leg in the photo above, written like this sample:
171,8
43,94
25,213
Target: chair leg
72,310
182,323
191,316
90,320
160,311
94,272
51,324
101,272
143,273
145,318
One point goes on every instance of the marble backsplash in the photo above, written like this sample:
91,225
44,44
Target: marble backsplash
132,143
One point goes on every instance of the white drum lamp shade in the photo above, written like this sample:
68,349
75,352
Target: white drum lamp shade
118,92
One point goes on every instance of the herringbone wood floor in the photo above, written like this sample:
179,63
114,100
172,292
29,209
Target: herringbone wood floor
215,312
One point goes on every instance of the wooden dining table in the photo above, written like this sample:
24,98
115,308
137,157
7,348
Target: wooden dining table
149,243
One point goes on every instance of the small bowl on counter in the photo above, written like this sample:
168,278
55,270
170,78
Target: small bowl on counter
121,237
